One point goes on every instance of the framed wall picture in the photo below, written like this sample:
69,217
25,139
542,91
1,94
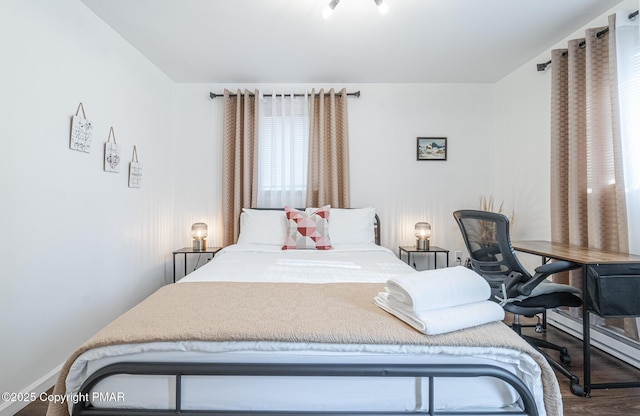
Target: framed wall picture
81,130
111,154
432,148
135,170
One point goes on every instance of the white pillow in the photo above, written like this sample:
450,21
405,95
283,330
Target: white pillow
352,226
262,227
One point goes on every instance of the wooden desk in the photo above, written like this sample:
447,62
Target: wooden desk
575,254
585,257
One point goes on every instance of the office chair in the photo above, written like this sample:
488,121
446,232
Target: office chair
486,236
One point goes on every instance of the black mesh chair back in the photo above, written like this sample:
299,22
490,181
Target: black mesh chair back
486,236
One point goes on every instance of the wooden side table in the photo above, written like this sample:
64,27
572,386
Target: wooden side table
189,250
410,250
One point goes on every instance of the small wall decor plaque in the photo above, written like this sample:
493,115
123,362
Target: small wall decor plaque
432,148
81,130
135,170
111,154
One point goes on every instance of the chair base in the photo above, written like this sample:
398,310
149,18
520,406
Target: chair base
540,344
540,326
565,358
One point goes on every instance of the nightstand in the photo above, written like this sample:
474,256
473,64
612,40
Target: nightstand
189,250
410,250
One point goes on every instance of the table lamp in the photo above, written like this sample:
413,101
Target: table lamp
423,232
199,234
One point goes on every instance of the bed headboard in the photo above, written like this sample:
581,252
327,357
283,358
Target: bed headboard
376,224
376,229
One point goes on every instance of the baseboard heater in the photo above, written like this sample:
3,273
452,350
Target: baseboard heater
616,345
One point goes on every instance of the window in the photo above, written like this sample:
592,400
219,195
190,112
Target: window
283,151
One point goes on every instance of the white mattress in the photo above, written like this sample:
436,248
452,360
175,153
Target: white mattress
266,263
343,264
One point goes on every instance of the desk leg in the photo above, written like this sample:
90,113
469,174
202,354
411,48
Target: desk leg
586,335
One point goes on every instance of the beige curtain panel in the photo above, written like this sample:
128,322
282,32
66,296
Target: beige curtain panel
240,159
587,184
328,168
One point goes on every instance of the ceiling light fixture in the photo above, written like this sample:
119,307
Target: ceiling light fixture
326,13
383,8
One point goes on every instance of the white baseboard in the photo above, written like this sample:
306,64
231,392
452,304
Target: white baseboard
39,386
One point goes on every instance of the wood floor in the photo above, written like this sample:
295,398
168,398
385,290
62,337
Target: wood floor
604,369
602,402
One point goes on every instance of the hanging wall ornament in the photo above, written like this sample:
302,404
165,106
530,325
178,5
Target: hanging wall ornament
135,170
111,154
81,130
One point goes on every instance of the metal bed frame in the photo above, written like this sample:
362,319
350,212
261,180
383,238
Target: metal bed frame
430,371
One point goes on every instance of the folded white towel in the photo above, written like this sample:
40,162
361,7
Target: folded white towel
440,321
437,289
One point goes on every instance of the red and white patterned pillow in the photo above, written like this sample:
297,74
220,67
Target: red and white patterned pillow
308,229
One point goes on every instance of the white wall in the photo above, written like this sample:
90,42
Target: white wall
78,247
198,156
522,148
383,126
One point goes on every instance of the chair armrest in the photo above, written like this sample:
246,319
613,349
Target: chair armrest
509,288
544,271
556,267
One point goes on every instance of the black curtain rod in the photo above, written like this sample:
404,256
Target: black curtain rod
349,94
599,35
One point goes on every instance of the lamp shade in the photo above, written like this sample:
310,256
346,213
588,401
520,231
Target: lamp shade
199,234
423,230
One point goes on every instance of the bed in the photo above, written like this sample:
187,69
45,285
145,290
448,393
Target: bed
262,330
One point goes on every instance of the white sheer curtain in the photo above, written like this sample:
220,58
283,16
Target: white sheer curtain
283,150
628,62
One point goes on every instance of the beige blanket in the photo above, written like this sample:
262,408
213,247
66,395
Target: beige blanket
286,312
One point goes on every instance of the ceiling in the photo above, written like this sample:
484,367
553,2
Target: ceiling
288,41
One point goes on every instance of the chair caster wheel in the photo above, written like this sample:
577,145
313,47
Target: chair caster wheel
565,358
575,387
